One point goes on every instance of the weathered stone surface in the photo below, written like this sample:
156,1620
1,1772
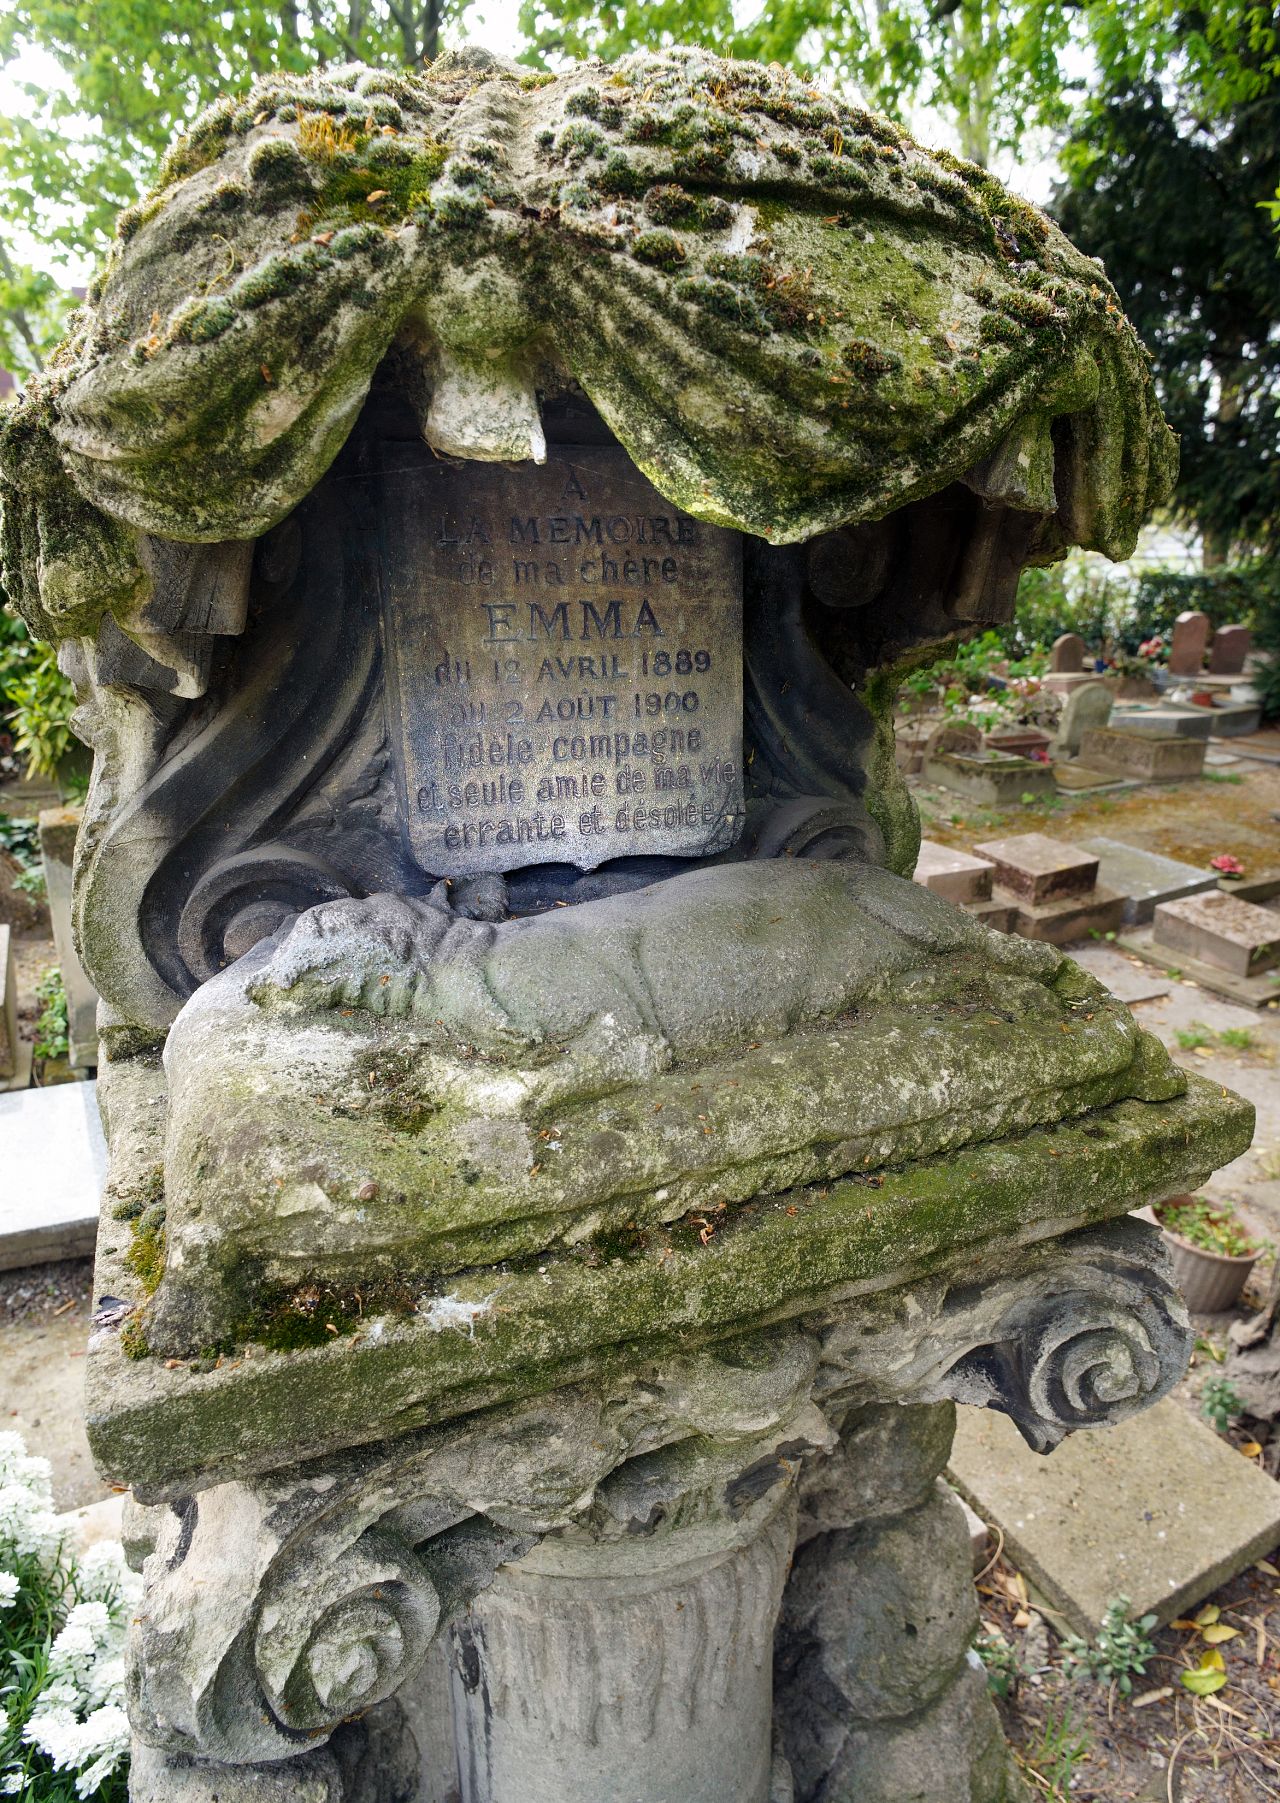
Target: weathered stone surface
892,1605
886,1464
1236,935
588,706
450,252
1167,722
1161,1511
1087,704
1068,654
1150,760
1142,877
989,777
58,830
586,1669
1070,918
495,1336
1234,719
1187,648
1037,868
956,876
683,1076
1231,648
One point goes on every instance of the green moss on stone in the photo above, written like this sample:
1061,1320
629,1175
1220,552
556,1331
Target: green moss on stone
662,248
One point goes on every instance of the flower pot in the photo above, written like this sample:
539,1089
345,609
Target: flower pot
1210,1282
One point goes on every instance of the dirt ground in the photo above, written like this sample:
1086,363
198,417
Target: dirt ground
1083,1741
1234,808
44,1327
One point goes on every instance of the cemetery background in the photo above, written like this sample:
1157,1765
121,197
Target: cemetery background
1230,809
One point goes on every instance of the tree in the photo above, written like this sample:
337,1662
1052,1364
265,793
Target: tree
1172,197
992,67
134,73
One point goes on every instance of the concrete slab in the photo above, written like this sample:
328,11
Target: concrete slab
1067,918
1159,1509
1151,760
1263,887
1038,869
1164,722
1220,929
1235,719
1246,992
1000,916
1144,878
1078,778
53,1163
955,875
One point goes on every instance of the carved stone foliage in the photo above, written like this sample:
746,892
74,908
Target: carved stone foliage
274,1610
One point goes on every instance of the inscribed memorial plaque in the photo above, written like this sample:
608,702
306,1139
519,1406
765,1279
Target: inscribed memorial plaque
564,659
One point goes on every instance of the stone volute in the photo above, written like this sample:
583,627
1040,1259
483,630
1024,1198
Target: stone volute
564,1175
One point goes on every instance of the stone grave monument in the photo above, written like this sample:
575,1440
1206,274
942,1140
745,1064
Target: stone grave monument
1187,647
1231,648
485,515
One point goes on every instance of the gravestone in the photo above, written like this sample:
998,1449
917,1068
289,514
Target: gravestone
1085,706
957,876
1231,646
1146,756
1237,936
1067,655
1186,651
496,880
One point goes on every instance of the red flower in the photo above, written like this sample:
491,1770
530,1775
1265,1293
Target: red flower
1228,865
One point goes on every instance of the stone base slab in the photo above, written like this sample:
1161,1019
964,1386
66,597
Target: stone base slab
956,876
1164,722
1249,992
1160,1510
993,780
1217,928
1144,878
172,1426
1078,778
1039,869
51,1174
1138,755
1060,922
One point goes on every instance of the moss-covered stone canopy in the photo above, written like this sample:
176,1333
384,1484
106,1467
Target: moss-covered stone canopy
791,315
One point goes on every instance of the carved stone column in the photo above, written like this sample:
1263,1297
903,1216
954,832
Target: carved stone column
879,1698
636,1667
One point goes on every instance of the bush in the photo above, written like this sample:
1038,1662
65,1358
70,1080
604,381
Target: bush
1228,597
64,1733
52,1031
35,697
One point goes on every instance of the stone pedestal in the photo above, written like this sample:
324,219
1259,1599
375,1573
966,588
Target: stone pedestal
879,1698
544,1118
637,1668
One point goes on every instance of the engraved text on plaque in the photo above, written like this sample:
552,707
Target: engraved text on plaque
564,655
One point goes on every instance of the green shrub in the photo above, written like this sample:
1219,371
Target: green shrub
35,698
52,1036
1121,1652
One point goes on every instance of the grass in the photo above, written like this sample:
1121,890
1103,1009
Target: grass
1193,1037
1052,1759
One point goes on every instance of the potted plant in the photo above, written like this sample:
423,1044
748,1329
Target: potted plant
1212,1254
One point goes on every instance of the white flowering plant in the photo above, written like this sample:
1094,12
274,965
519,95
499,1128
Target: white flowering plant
64,1735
